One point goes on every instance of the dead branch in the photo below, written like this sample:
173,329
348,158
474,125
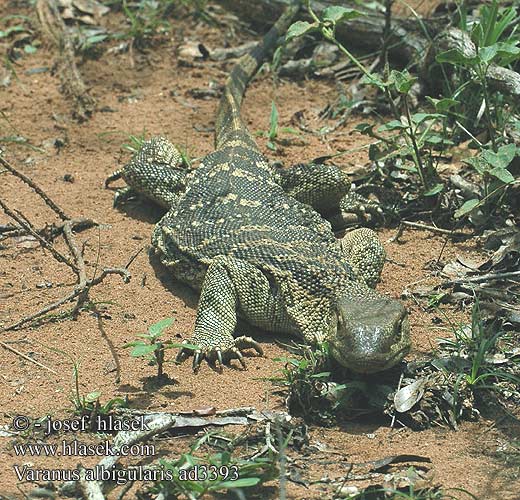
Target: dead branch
82,271
433,229
22,221
482,279
77,263
27,358
72,83
91,490
70,297
53,206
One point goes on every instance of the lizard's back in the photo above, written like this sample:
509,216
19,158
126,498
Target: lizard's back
233,206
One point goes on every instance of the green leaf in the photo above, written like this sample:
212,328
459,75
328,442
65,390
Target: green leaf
467,207
392,125
508,52
502,175
365,128
502,158
436,139
289,130
442,105
321,375
13,29
245,482
136,342
478,163
157,328
91,40
418,118
336,14
402,81
273,122
454,56
143,350
92,396
373,79
434,190
487,54
300,28
180,345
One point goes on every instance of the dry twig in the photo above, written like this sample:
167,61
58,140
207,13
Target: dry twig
72,83
18,353
433,229
77,263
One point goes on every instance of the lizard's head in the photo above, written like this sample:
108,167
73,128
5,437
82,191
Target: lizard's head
371,334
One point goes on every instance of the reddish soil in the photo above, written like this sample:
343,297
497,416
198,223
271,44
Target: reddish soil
152,95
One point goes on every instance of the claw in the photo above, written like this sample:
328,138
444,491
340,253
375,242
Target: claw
247,342
113,177
219,358
197,359
183,354
239,356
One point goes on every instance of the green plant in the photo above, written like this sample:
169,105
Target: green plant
408,136
474,349
90,404
135,142
314,394
274,129
195,477
154,348
147,18
496,43
493,168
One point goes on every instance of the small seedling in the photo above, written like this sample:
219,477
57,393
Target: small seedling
155,348
274,130
147,18
135,142
91,403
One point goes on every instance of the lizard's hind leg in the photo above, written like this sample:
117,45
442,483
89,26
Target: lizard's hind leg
320,186
156,172
326,188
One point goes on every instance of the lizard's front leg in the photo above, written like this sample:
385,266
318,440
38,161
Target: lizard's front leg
226,285
365,253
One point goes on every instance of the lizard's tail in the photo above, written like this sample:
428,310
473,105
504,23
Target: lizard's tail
229,127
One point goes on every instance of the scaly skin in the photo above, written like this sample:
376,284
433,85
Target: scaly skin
252,240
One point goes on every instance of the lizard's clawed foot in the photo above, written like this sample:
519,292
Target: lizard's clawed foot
361,206
220,354
355,209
